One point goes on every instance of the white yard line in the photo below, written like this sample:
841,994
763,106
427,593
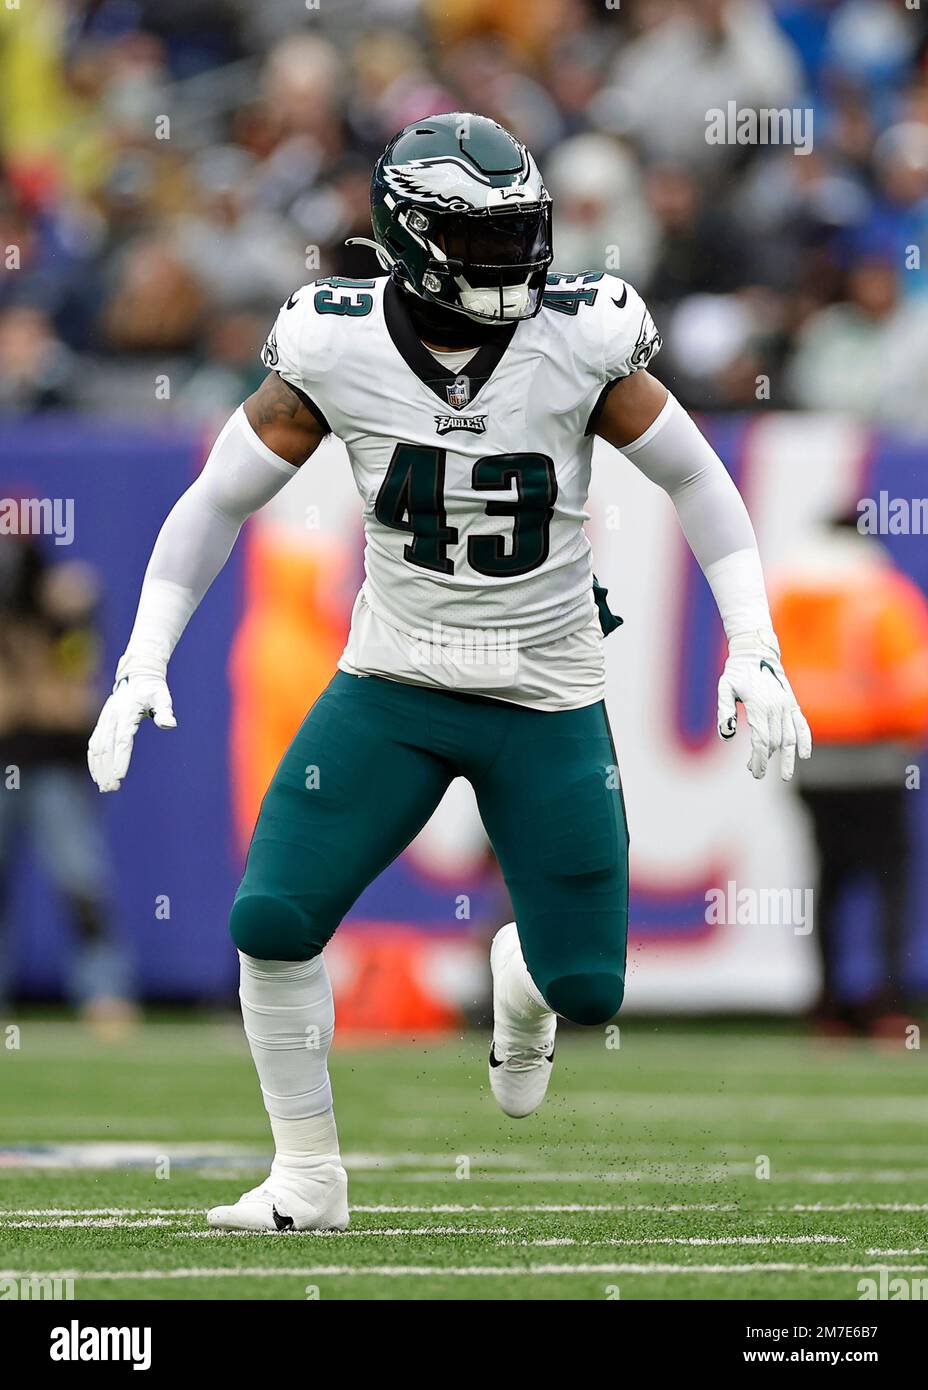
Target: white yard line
382,1209
10,1214
445,1271
838,1207
660,1177
694,1241
112,1153
428,1231
721,1173
449,1208
862,1175
105,1221
396,1232
897,1252
135,1223
93,1223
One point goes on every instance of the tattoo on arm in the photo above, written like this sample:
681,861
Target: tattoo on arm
274,400
280,417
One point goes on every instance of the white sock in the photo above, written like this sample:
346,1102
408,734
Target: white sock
289,1020
523,998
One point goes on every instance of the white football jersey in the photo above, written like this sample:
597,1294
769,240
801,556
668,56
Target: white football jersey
474,483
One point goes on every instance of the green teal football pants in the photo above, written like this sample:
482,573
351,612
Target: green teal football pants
367,768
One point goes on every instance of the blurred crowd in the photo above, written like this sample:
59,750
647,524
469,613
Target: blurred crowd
171,169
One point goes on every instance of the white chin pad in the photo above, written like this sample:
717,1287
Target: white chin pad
485,302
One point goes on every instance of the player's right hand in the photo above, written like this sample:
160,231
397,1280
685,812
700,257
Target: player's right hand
754,677
134,698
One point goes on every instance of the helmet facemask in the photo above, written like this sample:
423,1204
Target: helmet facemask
487,265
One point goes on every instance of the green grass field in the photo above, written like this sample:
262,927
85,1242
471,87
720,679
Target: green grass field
638,1178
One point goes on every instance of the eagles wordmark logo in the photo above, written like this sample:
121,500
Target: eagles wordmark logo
476,424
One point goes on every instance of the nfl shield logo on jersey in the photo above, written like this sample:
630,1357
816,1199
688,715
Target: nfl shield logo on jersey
458,392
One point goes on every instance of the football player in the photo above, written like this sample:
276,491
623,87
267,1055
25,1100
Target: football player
467,385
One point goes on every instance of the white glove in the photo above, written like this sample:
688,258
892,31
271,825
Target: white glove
134,698
754,676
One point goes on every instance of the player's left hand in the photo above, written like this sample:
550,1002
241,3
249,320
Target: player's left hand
754,677
135,697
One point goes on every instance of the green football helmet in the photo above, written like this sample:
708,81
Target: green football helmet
462,219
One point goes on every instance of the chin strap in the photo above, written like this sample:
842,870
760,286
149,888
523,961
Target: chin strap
444,326
382,254
452,327
387,262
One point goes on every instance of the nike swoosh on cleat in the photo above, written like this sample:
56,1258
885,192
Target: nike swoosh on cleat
283,1223
494,1060
292,301
620,303
765,665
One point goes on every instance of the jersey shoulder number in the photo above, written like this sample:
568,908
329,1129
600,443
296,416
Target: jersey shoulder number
303,344
343,297
609,321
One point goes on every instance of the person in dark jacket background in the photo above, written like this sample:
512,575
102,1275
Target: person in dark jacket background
49,655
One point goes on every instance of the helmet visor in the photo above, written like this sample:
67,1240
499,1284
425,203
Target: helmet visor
513,243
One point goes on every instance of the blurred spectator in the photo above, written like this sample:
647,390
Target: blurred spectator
391,84
37,372
302,87
871,41
527,28
601,217
696,250
157,303
230,371
900,218
867,356
719,354
854,637
574,71
693,59
197,34
49,652
51,262
239,252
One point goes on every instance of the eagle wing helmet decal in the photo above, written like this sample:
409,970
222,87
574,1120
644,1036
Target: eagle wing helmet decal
432,181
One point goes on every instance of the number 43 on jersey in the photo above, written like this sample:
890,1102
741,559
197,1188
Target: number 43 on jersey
411,499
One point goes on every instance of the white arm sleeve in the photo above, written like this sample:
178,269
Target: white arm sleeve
240,476
674,454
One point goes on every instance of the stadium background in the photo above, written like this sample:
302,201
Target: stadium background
153,255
